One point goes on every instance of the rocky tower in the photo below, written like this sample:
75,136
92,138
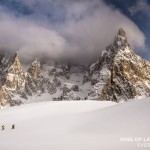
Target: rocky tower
12,76
33,79
120,73
35,69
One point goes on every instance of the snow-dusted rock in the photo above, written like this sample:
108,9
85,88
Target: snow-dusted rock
35,69
12,76
126,75
119,74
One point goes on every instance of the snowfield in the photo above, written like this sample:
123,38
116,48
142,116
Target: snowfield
77,125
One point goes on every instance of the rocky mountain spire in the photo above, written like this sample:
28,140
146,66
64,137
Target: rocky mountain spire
120,73
16,66
35,68
12,76
121,33
121,42
11,63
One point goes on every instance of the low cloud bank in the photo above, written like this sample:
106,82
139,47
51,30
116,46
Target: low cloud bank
74,30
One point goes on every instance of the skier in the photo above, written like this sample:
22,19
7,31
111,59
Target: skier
13,126
3,127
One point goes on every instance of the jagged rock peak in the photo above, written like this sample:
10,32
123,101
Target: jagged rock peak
11,58
121,41
119,46
120,74
122,32
16,63
35,68
11,62
16,55
36,62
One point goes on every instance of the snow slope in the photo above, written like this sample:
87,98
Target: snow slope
75,125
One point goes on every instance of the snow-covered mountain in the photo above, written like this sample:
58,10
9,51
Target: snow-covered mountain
59,81
119,74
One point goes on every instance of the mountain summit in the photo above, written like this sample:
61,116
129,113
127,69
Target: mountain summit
119,74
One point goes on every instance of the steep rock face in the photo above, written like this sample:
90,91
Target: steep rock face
35,69
120,73
12,76
2,99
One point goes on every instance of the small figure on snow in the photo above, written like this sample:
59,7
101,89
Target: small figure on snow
13,126
3,127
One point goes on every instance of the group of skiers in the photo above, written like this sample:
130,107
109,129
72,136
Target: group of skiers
12,127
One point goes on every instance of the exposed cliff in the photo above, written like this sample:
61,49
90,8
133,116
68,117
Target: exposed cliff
120,73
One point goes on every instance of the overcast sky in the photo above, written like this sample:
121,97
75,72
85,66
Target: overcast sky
76,30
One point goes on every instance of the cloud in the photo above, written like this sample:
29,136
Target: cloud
70,30
141,6
29,38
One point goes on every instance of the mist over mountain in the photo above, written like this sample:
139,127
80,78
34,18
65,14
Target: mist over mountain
75,31
118,74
